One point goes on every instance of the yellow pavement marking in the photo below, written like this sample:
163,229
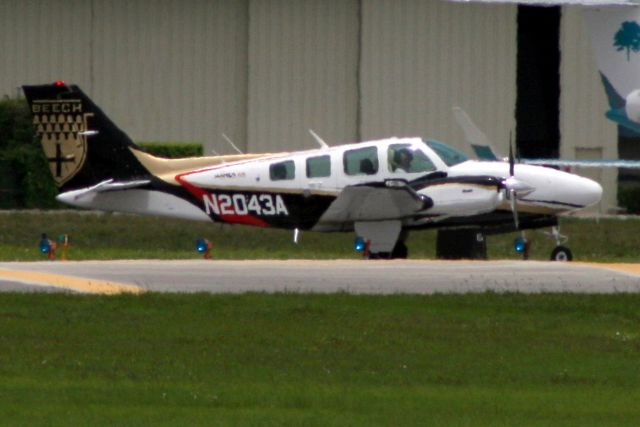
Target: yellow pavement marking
80,284
623,267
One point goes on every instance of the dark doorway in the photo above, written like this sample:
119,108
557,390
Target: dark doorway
538,82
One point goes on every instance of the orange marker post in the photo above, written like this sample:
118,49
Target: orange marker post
65,243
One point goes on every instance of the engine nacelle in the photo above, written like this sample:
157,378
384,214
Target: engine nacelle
632,107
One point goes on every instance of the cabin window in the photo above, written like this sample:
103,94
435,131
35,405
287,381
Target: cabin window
318,167
282,171
404,158
362,161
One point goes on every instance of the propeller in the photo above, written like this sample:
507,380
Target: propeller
511,188
515,187
511,159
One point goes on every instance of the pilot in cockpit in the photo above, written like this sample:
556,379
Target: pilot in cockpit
402,159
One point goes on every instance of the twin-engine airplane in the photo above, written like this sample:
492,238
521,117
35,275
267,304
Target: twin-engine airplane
381,189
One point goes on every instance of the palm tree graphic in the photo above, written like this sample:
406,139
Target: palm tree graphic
628,38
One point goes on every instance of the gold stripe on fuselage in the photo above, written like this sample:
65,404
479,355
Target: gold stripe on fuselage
167,169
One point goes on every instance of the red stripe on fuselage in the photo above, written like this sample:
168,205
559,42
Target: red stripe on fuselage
200,193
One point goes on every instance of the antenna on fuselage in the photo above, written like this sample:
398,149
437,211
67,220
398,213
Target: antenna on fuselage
319,140
230,142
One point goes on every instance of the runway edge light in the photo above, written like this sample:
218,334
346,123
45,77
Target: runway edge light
520,244
47,246
44,245
204,246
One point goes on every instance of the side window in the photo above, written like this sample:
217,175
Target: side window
403,158
318,167
362,161
282,171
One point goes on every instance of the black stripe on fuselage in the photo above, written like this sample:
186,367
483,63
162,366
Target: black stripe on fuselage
554,202
254,207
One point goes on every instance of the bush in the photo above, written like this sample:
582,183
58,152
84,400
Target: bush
629,198
172,150
25,180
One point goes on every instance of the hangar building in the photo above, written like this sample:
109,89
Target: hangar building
265,71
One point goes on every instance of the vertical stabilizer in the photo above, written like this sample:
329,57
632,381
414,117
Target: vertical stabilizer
83,146
615,37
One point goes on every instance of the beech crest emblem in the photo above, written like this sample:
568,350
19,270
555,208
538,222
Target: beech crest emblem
60,125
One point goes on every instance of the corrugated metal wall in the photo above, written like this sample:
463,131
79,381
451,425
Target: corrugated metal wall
583,127
264,71
421,58
163,70
40,42
303,58
182,66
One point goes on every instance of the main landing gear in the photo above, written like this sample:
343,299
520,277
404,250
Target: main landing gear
381,239
400,250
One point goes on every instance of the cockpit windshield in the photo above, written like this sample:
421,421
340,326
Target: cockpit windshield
449,155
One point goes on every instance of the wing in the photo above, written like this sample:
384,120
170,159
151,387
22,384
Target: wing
432,195
617,163
391,199
557,2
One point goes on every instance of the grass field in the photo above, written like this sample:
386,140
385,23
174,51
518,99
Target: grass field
110,236
311,360
319,360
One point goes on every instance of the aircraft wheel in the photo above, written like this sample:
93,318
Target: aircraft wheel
379,255
400,251
561,253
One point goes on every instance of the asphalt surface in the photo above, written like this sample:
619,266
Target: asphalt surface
358,276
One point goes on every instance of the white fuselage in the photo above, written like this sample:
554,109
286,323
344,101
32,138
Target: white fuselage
553,191
266,187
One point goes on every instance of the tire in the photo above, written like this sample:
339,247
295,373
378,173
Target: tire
562,254
400,251
379,255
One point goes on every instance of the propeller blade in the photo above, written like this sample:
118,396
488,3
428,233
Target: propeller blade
511,160
514,207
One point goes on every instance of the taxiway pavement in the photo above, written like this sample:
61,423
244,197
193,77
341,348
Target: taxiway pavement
353,276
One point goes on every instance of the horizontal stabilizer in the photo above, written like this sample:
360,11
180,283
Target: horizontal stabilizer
108,185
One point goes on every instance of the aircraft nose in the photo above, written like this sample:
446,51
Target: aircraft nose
589,192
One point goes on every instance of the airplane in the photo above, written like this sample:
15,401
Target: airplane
484,150
381,189
614,30
614,36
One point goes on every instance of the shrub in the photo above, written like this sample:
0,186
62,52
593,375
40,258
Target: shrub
25,179
629,198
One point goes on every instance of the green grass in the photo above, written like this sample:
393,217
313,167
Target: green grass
318,360
105,236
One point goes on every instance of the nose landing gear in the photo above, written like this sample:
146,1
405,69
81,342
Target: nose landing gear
560,252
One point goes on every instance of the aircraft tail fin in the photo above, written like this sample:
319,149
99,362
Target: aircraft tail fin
83,146
475,137
614,33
